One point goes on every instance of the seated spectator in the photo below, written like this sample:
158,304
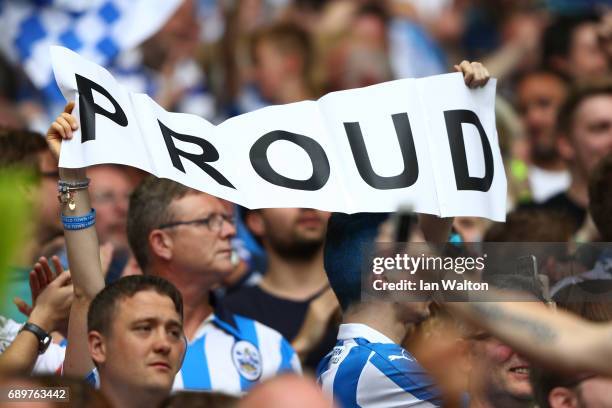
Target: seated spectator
137,320
293,239
184,236
368,367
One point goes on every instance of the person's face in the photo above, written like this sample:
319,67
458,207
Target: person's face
498,370
291,230
110,195
586,58
590,137
595,392
471,229
539,99
180,35
145,346
271,69
198,249
370,31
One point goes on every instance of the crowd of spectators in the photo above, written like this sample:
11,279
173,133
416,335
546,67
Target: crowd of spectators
177,298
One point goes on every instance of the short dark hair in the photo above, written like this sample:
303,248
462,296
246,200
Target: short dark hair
348,235
578,93
600,197
542,72
287,37
149,208
589,299
20,148
544,380
530,225
557,37
103,307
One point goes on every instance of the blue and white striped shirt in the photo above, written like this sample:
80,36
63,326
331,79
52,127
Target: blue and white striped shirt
230,353
366,369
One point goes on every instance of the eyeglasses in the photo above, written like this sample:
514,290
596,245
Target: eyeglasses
109,197
214,222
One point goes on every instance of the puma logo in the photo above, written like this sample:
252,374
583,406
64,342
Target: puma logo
403,356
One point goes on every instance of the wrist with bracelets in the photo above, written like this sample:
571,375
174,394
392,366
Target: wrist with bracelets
66,196
66,191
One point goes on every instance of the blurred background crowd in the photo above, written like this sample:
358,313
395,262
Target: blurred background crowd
219,59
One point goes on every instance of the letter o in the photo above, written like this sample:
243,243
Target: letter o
320,164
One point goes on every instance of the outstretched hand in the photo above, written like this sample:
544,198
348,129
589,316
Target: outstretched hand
61,129
474,73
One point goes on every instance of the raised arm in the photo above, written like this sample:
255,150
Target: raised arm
82,246
551,337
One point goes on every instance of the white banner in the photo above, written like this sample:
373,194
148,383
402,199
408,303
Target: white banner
430,143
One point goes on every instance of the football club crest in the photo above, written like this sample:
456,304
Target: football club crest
247,360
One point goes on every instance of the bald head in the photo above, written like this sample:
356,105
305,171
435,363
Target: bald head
287,391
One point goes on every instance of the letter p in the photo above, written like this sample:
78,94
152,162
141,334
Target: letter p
89,108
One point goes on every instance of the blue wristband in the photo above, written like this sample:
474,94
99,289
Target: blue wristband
79,225
79,222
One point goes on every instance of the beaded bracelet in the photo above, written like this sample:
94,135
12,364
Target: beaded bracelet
66,189
73,185
79,222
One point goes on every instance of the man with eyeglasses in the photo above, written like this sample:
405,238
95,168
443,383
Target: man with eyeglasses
185,236
182,235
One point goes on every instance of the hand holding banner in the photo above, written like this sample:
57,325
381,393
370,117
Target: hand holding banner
427,142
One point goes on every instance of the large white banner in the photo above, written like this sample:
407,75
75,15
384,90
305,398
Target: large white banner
430,143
